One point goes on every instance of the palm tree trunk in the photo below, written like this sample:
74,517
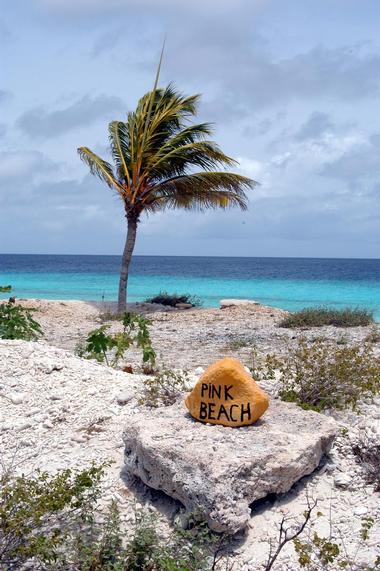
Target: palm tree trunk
125,261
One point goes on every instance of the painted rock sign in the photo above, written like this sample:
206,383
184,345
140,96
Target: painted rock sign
226,394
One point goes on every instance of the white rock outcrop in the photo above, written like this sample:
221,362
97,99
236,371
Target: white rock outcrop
224,303
219,471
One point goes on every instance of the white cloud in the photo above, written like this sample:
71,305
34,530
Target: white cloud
27,166
41,123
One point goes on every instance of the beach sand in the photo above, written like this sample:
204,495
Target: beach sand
186,338
53,400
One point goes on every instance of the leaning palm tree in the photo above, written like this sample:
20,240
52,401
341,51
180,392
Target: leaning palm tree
156,154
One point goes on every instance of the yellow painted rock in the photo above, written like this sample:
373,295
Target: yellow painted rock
226,394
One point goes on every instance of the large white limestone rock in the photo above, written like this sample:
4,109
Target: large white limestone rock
219,471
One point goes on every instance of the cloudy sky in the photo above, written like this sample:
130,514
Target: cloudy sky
293,88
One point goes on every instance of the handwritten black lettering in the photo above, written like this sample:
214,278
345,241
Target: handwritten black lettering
216,391
222,410
204,389
231,407
246,411
227,395
203,411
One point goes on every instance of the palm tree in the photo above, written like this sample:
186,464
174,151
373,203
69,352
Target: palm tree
156,153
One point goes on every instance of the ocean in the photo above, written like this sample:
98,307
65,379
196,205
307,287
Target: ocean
288,283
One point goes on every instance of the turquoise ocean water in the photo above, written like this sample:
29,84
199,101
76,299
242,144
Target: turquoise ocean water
288,283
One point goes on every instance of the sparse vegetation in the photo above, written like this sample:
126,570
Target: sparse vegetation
172,299
5,289
368,456
320,553
37,513
110,348
319,375
373,336
110,316
236,343
319,316
324,553
53,523
16,322
164,388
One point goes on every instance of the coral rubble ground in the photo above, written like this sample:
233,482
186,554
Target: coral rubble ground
57,411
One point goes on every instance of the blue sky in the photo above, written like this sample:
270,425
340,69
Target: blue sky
292,87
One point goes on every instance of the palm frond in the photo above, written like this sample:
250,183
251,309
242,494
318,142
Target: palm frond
199,191
120,148
185,136
178,159
99,167
168,115
155,153
152,97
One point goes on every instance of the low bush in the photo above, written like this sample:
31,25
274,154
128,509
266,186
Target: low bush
172,299
319,375
37,513
54,523
16,322
164,388
319,316
110,316
322,553
235,343
367,454
110,348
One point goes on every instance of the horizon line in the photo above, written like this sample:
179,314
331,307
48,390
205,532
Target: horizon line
196,256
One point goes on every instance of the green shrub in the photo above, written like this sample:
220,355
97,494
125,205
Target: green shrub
317,317
110,348
164,388
239,342
37,513
5,289
319,375
172,299
323,553
367,454
16,322
110,316
53,523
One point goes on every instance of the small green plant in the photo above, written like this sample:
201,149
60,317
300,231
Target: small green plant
37,513
164,388
16,322
110,316
320,553
173,299
5,289
319,375
110,348
319,316
236,343
323,553
367,454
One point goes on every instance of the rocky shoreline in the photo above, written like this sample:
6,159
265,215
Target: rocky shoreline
59,411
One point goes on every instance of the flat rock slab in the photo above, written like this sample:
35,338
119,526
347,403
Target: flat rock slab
219,471
224,303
